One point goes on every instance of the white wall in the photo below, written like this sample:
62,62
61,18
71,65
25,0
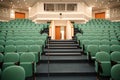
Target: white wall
4,14
115,14
83,13
107,13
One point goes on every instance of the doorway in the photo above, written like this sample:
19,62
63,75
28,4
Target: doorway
60,32
19,15
100,15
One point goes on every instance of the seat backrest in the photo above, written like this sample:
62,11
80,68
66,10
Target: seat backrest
11,57
105,48
1,57
93,49
27,57
105,42
114,42
13,73
115,56
22,48
102,56
115,48
34,48
19,42
1,48
10,48
115,72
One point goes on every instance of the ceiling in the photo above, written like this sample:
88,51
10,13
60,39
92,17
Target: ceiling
25,4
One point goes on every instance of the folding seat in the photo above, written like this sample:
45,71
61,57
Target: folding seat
115,48
95,42
40,42
27,61
115,72
10,48
113,38
105,42
22,48
10,59
105,48
91,51
29,42
1,49
19,42
2,42
114,42
84,44
9,42
1,59
13,73
102,63
2,38
115,57
37,50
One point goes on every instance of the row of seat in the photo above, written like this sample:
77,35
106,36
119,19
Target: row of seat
107,65
26,60
91,50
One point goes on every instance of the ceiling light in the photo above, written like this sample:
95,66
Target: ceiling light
118,0
1,0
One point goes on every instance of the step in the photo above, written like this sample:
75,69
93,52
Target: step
64,47
66,78
62,50
63,54
66,68
56,42
62,40
61,45
64,59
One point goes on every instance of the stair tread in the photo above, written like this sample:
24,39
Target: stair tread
64,57
65,68
67,78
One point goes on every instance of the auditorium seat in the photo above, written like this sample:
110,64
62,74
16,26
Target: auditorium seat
102,63
13,73
27,61
115,72
10,59
115,57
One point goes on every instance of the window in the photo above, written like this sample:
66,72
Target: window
71,7
49,7
60,7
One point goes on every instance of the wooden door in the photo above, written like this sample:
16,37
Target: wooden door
65,32
100,15
19,15
57,33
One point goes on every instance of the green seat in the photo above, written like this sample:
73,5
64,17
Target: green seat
22,48
27,61
114,42
105,42
29,42
91,51
10,48
2,42
1,59
37,50
115,72
19,42
9,42
102,63
115,57
1,49
115,48
105,48
10,59
13,73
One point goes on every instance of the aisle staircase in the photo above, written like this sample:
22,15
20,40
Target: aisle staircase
63,60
